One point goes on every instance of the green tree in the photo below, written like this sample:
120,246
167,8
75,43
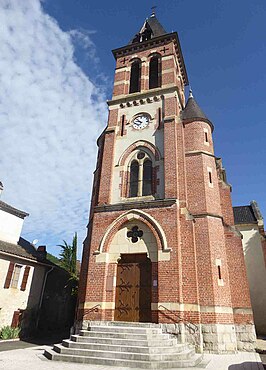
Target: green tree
68,255
68,261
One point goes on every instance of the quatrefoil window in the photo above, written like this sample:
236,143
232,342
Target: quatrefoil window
134,234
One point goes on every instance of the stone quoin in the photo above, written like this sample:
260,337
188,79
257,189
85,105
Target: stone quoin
161,244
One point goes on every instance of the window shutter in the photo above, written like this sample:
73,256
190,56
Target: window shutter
9,275
15,319
25,278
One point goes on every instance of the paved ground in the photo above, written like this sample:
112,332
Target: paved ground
31,358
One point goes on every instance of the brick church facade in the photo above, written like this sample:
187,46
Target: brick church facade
161,244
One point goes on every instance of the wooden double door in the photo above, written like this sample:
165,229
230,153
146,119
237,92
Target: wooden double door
133,288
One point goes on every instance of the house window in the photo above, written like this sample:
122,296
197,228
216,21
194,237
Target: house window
13,276
135,77
140,178
16,275
155,72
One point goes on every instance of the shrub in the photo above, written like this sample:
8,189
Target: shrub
7,332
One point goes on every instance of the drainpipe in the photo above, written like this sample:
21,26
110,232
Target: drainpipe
42,293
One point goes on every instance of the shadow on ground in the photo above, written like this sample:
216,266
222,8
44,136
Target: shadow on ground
245,365
38,340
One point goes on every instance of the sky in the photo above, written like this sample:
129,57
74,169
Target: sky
56,72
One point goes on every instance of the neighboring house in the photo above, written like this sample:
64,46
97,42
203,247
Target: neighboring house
249,222
23,269
34,292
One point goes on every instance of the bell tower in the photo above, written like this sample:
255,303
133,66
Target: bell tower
161,244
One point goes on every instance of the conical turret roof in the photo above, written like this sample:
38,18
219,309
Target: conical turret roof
193,112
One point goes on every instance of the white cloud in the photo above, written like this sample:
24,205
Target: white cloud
50,117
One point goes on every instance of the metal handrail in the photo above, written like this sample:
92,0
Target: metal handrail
187,323
93,309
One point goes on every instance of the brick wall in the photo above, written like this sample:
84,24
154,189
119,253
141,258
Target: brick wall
205,272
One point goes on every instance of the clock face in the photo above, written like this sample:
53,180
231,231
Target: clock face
140,121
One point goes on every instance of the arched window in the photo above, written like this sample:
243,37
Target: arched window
134,179
140,177
135,77
155,72
147,177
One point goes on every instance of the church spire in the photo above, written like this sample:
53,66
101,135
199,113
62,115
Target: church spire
151,28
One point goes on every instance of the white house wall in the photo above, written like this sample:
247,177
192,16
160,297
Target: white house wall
10,227
12,299
256,272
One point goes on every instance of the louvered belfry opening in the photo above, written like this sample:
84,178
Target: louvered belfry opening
135,77
155,72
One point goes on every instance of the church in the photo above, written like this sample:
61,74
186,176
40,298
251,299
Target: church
161,246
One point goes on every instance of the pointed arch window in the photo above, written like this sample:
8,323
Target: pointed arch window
155,72
147,177
135,77
140,177
134,179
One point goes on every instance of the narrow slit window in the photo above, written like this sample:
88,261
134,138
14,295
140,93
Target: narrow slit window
206,137
159,117
219,272
135,77
210,177
123,125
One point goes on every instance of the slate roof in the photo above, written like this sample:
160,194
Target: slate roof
23,249
155,26
244,215
192,110
14,211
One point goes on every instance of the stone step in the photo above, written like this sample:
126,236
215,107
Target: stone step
185,355
128,342
52,355
123,348
109,334
124,329
126,323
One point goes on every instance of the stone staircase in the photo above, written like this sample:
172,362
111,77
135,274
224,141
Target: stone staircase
137,345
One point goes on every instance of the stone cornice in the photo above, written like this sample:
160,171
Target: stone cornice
207,214
196,152
157,203
141,98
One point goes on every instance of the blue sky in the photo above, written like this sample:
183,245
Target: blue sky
62,48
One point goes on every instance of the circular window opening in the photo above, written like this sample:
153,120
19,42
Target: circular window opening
140,155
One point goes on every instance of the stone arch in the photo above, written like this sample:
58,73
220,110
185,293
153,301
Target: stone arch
141,216
134,146
154,54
